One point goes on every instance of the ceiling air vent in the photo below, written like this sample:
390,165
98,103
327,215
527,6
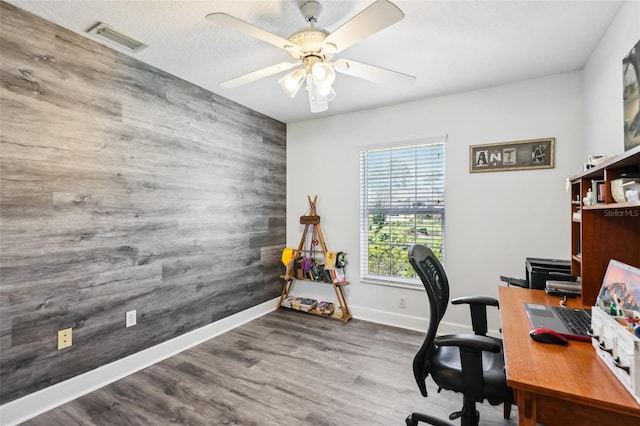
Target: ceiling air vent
104,31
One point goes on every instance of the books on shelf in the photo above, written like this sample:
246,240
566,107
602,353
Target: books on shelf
299,303
323,308
339,275
310,269
307,304
597,189
315,271
296,303
286,302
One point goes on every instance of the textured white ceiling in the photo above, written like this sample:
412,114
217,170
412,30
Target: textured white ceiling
450,46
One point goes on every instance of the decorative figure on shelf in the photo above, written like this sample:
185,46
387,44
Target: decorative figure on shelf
588,199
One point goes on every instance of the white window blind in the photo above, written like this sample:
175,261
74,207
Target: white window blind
401,203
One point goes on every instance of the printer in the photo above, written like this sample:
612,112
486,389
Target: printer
538,271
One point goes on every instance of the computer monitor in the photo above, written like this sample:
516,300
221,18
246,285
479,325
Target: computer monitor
621,287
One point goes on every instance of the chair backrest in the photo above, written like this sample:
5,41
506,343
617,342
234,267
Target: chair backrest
431,273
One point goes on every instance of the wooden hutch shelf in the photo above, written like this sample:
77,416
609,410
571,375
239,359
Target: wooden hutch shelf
606,230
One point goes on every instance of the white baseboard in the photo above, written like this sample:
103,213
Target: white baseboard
411,322
393,319
29,406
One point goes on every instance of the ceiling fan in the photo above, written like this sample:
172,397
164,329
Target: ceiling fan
314,48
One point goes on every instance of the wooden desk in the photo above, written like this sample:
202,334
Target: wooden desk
554,384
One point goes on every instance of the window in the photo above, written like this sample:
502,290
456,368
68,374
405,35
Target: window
401,203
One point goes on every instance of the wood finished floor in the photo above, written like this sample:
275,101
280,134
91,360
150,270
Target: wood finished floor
285,368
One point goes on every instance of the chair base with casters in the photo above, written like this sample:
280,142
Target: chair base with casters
414,418
471,364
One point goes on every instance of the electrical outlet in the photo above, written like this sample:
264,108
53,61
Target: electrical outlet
131,318
64,338
403,302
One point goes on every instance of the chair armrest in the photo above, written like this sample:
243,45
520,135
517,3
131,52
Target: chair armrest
478,306
483,300
469,341
518,282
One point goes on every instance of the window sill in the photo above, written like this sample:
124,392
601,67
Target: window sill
398,283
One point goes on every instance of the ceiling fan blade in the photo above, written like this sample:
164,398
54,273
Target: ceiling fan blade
374,18
257,75
242,26
372,73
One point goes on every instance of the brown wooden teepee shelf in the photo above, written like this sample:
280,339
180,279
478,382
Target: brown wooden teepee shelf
313,229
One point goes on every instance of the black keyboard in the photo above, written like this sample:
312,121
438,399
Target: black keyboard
578,321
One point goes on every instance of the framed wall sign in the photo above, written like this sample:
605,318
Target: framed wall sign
518,155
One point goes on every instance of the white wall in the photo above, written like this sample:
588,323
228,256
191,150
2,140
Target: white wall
494,220
603,83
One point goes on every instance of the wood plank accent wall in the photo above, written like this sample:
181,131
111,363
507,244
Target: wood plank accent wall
123,187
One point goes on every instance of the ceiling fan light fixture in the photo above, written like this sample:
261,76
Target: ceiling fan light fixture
323,74
292,82
324,95
314,105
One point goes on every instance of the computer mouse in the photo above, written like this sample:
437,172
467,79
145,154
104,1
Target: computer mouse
544,335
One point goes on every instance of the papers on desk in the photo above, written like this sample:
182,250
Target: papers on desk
564,288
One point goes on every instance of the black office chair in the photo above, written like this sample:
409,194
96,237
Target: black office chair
472,364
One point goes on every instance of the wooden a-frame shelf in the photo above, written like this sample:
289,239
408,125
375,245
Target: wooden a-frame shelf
311,222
